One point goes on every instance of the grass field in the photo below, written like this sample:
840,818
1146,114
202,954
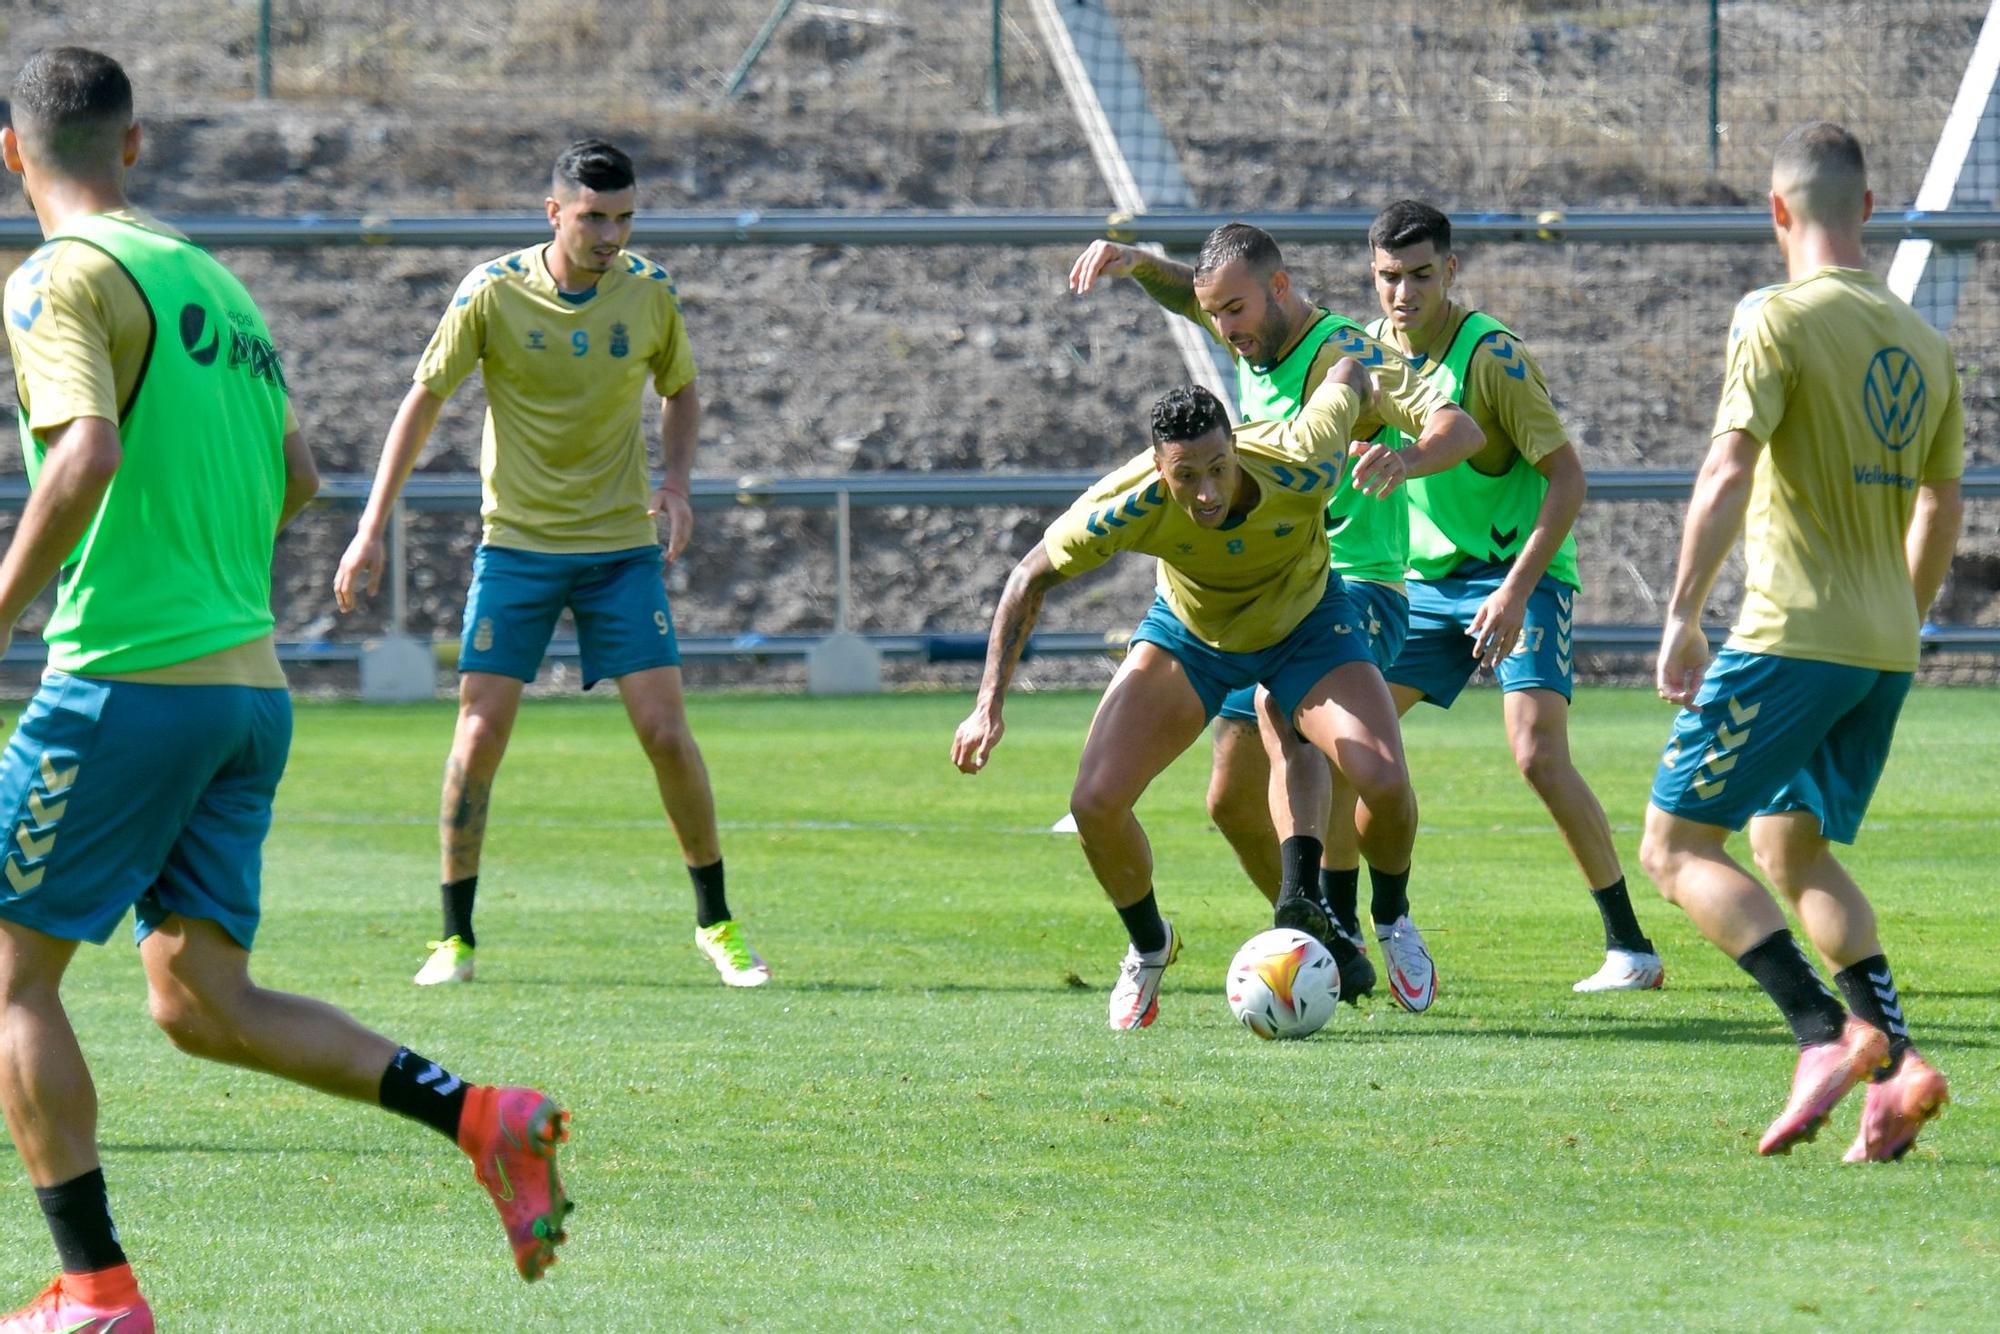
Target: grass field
924,1122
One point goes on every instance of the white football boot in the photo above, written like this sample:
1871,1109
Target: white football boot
1135,1001
1626,970
1412,975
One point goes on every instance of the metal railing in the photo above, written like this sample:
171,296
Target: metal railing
791,227
460,493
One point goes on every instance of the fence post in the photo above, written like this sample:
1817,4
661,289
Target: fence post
994,77
397,667
843,663
1714,86
264,50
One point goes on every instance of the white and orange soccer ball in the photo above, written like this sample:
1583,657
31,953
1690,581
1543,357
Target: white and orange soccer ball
1283,984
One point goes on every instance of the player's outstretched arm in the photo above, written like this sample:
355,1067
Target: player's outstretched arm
363,560
1167,281
1714,518
1449,438
301,478
1020,607
680,427
82,457
1933,537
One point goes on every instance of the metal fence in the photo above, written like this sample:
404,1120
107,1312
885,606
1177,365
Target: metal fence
835,352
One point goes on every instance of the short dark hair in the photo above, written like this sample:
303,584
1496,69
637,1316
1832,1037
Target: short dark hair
73,106
1409,222
1187,412
1238,240
1821,163
592,164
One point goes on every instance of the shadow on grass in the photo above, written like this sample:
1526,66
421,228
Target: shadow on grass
233,1149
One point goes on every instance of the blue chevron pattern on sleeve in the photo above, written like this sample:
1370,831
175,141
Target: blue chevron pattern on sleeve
1507,355
1308,479
1136,505
1354,345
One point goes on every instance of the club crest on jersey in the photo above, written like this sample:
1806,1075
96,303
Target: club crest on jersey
1893,396
620,344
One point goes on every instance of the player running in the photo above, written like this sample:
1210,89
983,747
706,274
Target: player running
1837,451
1246,597
1493,575
1240,293
566,334
164,459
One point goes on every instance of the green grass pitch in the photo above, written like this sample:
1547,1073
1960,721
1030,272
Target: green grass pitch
924,1121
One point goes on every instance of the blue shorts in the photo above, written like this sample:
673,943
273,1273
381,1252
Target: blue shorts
1330,636
1437,657
1385,614
1769,734
619,600
118,794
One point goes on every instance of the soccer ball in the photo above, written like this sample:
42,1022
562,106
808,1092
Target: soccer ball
1283,984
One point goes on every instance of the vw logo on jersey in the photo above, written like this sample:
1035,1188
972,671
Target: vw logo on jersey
1893,397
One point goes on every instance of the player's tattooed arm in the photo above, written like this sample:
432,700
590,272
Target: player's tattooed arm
1013,621
1166,281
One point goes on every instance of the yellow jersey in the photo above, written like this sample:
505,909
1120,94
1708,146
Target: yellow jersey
1857,399
1246,584
562,457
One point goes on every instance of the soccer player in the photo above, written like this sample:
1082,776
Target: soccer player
1240,293
1246,597
1837,451
566,334
1493,576
164,458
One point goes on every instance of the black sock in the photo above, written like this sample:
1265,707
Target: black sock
1780,967
1341,892
1298,858
1871,993
424,1091
79,1215
1145,925
710,905
1389,895
458,896
1621,928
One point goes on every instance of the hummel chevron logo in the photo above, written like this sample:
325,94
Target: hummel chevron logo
1719,763
1707,790
436,1073
1509,359
56,780
1729,740
24,882
45,812
1672,757
32,848
1740,715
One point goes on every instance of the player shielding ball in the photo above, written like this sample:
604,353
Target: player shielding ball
566,336
1239,292
1246,597
1837,452
164,456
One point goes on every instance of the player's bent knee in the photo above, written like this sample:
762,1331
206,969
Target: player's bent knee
190,1025
1096,805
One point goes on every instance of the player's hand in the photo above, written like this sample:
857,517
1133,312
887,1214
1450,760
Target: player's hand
362,561
977,736
1496,626
1378,469
1103,259
1683,663
680,519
